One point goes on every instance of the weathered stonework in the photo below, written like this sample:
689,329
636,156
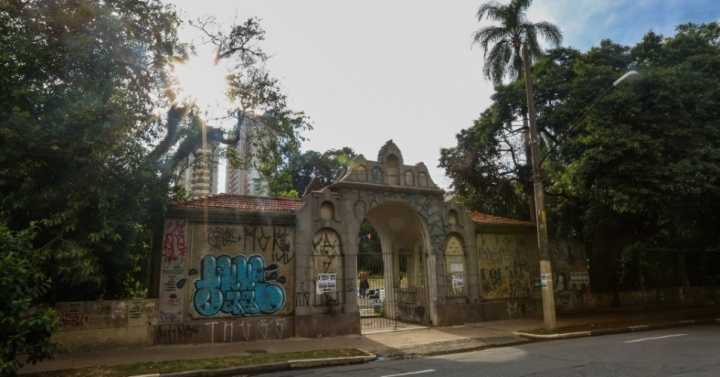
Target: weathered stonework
237,268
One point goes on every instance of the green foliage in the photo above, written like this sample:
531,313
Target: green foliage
505,171
648,154
304,167
272,130
502,43
633,169
82,82
369,242
25,326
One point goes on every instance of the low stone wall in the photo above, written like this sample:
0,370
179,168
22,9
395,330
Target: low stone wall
665,297
221,330
93,324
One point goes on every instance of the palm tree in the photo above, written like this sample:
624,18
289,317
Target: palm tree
514,45
502,44
502,48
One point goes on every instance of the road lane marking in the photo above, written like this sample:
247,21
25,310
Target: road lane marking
409,373
654,338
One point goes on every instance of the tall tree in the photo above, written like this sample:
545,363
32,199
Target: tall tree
502,46
634,175
82,85
257,97
324,167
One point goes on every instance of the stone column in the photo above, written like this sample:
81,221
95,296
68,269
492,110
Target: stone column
350,269
389,277
432,282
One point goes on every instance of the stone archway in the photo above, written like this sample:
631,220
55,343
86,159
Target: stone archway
404,243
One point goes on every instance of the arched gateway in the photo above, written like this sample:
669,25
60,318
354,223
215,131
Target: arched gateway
237,268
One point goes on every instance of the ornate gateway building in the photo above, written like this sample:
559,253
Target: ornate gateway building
238,268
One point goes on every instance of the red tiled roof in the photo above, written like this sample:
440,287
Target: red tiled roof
244,203
484,218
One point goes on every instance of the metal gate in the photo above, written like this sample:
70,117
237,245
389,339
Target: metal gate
388,305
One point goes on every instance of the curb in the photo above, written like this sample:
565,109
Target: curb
473,348
266,368
618,330
450,347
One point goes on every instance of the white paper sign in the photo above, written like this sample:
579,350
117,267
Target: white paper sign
326,283
580,277
458,280
456,267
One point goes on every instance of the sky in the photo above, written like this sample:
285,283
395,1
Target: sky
373,70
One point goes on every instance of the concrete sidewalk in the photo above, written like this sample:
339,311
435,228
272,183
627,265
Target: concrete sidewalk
423,341
416,341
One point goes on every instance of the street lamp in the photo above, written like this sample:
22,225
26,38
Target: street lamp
626,77
629,75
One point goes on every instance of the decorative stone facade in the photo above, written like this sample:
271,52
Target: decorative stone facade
238,268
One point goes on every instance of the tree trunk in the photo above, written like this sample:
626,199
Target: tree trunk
528,158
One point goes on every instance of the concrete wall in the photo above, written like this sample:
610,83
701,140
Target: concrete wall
509,268
656,298
224,280
326,246
509,272
572,279
93,324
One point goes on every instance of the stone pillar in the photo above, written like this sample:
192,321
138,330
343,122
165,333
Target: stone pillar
350,275
432,282
389,277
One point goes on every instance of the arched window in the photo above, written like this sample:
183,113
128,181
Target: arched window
409,178
327,267
392,167
377,175
327,211
422,179
452,217
455,266
361,173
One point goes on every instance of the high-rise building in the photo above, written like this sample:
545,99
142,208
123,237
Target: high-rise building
242,176
197,178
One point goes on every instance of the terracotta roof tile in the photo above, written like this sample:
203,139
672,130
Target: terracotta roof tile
484,218
244,203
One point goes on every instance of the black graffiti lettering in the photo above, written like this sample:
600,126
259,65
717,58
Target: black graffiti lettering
263,240
281,247
219,237
249,232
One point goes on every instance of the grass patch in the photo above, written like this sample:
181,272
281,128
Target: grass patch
254,358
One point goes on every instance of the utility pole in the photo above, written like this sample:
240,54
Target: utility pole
546,278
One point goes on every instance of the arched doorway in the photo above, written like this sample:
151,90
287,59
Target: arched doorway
391,269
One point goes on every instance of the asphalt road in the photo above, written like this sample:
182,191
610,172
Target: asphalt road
690,351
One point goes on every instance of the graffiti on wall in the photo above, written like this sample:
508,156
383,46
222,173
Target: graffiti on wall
455,266
507,265
572,280
173,274
253,239
240,271
174,245
224,331
84,315
282,250
327,252
240,286
327,264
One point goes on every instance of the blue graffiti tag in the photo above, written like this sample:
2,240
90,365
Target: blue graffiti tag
237,286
